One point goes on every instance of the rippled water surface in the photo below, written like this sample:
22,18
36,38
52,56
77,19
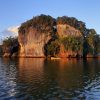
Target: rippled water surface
40,79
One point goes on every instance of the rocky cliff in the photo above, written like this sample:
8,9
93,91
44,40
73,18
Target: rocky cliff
46,36
34,35
65,30
10,47
32,43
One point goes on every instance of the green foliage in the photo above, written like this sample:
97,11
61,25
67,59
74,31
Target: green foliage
85,47
93,41
72,22
89,42
43,23
52,48
10,45
72,43
10,41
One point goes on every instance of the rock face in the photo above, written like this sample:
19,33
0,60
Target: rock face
11,51
7,51
32,43
45,36
65,30
10,47
40,36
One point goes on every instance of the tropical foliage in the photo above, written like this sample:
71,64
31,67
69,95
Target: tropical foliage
10,41
72,43
42,23
10,44
72,22
93,41
89,42
52,48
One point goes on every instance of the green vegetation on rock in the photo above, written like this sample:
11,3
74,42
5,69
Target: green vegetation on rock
72,22
42,23
10,45
87,42
93,41
72,43
10,41
52,48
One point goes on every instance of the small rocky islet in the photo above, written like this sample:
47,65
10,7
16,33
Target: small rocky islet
45,36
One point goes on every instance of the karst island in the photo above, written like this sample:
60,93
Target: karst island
45,36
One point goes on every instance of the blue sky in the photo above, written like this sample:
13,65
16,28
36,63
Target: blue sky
14,12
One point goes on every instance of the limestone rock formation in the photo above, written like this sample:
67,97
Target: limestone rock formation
34,34
65,30
46,36
32,43
10,47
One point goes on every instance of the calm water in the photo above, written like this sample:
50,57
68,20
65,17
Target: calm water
39,79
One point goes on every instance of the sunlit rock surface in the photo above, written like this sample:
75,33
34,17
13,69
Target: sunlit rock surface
32,43
65,30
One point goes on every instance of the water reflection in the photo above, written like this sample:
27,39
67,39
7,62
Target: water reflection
30,68
38,78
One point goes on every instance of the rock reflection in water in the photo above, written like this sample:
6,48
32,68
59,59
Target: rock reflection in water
37,78
31,69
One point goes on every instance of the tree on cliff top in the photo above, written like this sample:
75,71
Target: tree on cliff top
89,42
9,43
72,22
46,23
43,23
94,41
72,43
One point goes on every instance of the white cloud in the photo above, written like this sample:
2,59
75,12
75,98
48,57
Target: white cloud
11,31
